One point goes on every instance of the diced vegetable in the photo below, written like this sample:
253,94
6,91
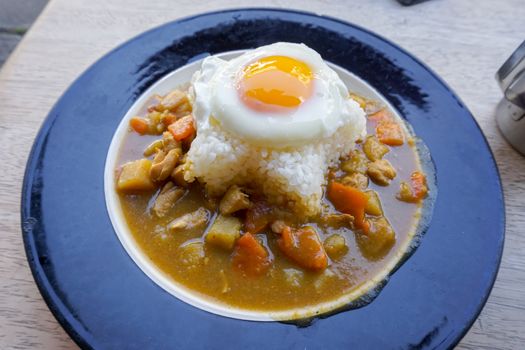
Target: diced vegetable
153,148
378,241
182,128
373,149
373,204
335,246
356,180
390,133
356,163
303,246
258,216
140,125
190,221
166,199
380,116
135,176
192,254
416,191
224,231
233,200
349,200
381,172
163,164
250,257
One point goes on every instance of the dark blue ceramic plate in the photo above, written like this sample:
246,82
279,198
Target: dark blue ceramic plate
104,300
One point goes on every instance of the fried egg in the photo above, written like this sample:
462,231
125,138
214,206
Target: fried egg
276,96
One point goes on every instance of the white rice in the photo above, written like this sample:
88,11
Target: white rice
292,177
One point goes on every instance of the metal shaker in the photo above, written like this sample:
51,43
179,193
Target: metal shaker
510,113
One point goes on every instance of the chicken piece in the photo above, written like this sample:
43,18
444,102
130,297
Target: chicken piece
338,220
381,172
373,149
134,177
356,180
164,163
153,148
373,204
167,197
378,241
224,231
335,246
194,220
176,102
169,142
178,176
356,163
233,200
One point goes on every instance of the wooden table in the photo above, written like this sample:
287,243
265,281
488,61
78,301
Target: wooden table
464,41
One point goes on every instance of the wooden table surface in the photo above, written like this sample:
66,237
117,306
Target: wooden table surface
464,41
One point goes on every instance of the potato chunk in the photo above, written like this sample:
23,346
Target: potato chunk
373,149
166,199
356,163
194,220
373,205
234,200
377,242
381,172
356,180
335,246
135,176
192,254
177,102
338,220
224,231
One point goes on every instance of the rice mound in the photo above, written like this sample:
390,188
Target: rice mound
291,177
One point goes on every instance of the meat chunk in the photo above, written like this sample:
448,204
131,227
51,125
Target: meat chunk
278,226
167,197
233,200
338,220
381,172
373,149
194,220
356,163
134,176
378,241
335,246
356,180
164,163
416,190
224,232
176,102
178,176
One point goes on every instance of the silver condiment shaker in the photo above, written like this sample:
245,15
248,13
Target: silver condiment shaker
510,113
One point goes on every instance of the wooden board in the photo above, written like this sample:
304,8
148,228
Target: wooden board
464,41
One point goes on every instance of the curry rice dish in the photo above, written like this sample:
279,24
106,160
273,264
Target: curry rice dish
266,185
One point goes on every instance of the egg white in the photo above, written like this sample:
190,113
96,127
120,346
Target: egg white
325,111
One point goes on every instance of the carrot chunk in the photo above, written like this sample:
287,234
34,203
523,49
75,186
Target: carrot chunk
390,133
182,128
140,125
303,247
380,116
419,184
250,257
349,200
258,216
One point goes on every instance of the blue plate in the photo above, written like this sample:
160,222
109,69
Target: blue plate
104,300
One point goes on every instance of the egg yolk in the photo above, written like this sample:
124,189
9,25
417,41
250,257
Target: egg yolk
274,83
